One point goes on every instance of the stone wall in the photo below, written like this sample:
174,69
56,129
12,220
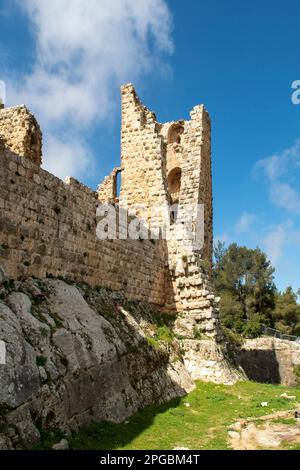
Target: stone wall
107,190
154,155
168,166
270,360
48,227
142,156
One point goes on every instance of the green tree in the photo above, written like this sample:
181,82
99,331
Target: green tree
244,279
287,312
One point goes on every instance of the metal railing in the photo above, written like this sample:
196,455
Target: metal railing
266,330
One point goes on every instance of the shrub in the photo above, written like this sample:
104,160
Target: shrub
252,329
164,334
234,339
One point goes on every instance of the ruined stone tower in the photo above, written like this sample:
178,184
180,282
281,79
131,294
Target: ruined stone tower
165,169
169,166
48,227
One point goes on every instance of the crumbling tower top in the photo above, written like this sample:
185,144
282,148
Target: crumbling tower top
20,133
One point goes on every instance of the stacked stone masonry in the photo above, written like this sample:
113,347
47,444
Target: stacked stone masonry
48,227
20,133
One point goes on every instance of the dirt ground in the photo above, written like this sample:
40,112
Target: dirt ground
268,432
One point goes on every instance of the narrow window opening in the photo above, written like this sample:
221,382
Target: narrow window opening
173,213
174,182
118,184
174,134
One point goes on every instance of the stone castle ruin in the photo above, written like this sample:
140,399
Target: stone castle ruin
48,227
80,315
95,328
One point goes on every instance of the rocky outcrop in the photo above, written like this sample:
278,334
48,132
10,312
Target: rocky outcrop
270,360
202,343
74,355
205,360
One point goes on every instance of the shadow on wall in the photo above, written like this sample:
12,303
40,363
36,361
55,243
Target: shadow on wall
260,365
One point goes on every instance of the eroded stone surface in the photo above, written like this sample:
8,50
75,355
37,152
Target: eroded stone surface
20,133
85,367
205,360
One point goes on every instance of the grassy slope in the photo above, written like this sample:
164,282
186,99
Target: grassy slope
202,425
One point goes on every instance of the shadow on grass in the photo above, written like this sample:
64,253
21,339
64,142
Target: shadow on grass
110,436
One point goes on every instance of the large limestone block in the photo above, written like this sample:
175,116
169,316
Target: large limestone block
205,360
19,377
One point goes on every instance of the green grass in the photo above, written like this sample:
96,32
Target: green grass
202,425
288,421
292,446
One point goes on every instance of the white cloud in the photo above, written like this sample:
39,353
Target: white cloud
244,223
281,170
281,243
273,243
84,50
285,196
67,157
278,238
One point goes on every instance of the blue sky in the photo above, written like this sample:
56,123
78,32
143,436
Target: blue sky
66,61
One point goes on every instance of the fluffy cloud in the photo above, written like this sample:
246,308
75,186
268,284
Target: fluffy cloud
285,196
280,171
84,50
67,156
273,243
273,239
244,223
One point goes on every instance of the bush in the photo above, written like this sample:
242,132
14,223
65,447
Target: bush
164,334
297,329
285,329
234,339
252,329
297,374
